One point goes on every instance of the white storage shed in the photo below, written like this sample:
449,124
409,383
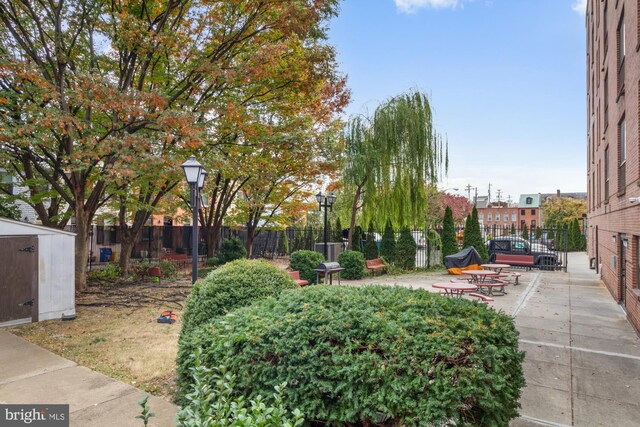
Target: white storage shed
37,270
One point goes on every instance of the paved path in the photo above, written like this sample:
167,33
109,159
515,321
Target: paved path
582,362
30,374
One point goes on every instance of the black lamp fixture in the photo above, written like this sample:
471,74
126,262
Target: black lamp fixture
325,201
195,175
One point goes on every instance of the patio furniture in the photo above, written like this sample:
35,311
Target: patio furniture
295,275
454,289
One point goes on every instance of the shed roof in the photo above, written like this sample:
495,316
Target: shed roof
11,227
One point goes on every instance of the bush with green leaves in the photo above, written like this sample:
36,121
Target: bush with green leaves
231,250
406,250
212,262
473,235
353,264
449,241
371,246
168,268
235,284
388,243
356,239
109,273
372,356
305,261
211,403
525,232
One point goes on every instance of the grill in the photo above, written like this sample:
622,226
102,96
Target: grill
327,269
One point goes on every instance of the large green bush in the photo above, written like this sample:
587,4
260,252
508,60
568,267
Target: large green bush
305,261
388,243
353,264
406,250
356,239
372,355
473,235
230,250
233,285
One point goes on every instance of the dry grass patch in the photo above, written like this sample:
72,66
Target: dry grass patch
116,333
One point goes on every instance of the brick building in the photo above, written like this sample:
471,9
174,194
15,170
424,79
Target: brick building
613,172
498,216
529,211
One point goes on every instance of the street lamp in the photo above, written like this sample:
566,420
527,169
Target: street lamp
195,175
325,201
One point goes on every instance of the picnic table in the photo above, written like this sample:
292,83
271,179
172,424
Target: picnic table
480,276
454,289
496,267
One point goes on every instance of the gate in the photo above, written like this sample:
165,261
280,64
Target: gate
18,278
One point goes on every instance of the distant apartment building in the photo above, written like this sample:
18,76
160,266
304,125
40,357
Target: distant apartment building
613,172
498,215
530,211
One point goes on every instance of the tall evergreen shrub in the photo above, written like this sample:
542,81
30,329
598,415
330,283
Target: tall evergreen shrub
513,229
371,246
356,239
388,243
406,250
525,232
473,235
449,242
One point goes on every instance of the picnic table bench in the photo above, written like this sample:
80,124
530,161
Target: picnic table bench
515,260
375,265
295,275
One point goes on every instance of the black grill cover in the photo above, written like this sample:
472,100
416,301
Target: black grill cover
464,258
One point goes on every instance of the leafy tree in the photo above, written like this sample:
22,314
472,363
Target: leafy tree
388,243
371,246
449,241
525,232
406,250
557,210
9,210
400,132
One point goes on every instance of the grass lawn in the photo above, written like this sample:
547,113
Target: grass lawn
116,333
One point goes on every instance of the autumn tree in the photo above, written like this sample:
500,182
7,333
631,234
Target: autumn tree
559,210
92,92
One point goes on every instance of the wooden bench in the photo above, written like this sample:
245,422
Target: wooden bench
515,260
295,275
375,264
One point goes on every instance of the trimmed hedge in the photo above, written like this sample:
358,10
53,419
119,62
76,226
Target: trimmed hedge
305,261
353,264
230,286
372,356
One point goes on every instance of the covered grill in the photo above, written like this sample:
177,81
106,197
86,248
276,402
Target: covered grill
327,269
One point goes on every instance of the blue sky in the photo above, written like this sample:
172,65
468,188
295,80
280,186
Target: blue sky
506,79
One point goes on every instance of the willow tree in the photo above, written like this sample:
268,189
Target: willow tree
391,160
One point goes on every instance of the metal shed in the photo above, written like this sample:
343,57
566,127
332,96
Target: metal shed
37,270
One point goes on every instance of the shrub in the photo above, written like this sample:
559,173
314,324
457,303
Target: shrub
525,232
168,268
232,285
371,246
212,262
231,250
109,273
388,243
211,403
356,239
406,250
364,356
449,242
305,261
473,236
353,264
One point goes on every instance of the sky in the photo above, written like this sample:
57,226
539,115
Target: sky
506,81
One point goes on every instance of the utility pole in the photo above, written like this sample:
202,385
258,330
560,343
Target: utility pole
489,194
499,192
468,188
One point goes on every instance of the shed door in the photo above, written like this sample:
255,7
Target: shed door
18,278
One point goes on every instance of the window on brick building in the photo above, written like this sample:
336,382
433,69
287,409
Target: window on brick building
533,211
606,174
621,52
622,150
488,217
522,212
514,217
481,216
497,217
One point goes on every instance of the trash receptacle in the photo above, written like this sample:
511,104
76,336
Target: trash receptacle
105,254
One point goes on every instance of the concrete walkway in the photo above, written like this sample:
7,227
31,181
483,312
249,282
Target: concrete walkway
30,374
582,362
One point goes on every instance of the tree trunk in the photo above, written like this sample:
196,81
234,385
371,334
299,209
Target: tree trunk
82,248
251,234
126,248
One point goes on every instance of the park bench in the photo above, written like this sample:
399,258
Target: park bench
375,265
295,275
515,260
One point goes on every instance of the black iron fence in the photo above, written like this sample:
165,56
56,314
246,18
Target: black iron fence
154,241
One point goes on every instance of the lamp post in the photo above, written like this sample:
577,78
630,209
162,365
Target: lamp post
195,175
325,201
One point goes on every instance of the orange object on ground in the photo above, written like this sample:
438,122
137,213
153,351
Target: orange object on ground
458,271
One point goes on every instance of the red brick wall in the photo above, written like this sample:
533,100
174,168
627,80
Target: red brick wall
616,215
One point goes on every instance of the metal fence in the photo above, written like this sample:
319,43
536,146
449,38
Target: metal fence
156,240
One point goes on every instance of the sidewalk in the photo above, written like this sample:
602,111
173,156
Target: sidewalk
30,374
582,362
